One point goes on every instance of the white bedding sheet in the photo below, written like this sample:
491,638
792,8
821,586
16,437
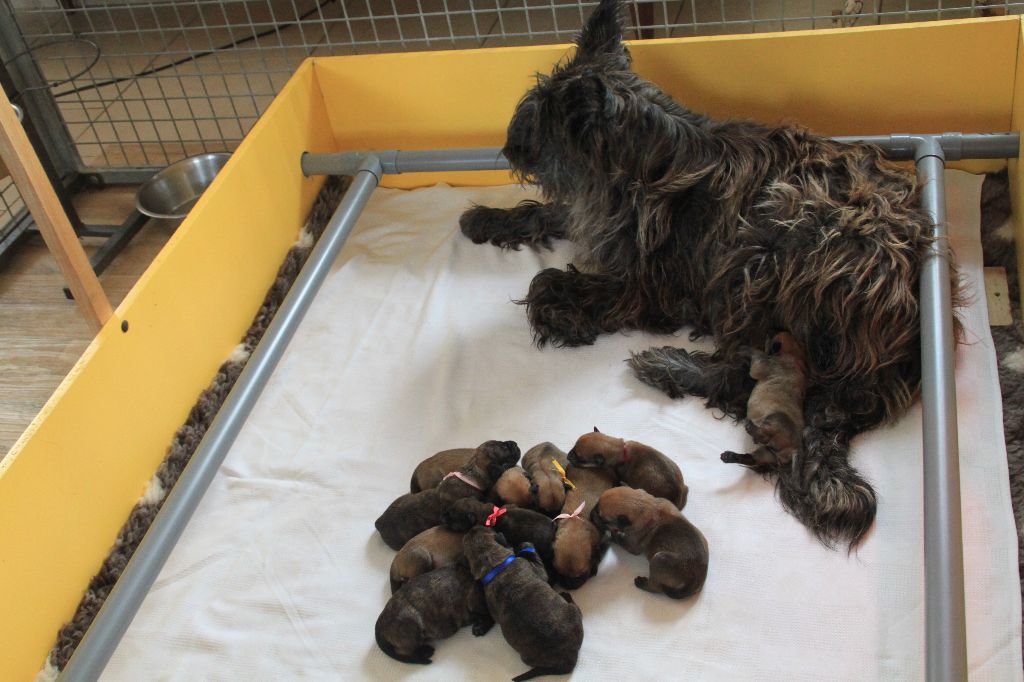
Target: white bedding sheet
413,346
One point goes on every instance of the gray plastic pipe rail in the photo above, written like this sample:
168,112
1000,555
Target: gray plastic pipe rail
945,634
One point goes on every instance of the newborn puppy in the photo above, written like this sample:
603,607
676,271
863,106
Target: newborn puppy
429,472
579,546
545,465
516,524
775,410
676,551
543,626
428,607
514,488
637,465
432,549
414,513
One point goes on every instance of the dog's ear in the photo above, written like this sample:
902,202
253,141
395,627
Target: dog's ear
601,36
595,430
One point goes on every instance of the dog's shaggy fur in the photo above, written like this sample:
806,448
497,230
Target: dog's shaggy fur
733,228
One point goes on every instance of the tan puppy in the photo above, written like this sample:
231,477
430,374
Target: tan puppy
433,548
514,488
429,473
637,465
579,546
775,410
548,483
413,513
643,524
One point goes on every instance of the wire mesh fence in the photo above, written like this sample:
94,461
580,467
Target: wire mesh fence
140,84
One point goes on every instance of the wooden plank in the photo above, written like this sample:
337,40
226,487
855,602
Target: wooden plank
42,202
997,294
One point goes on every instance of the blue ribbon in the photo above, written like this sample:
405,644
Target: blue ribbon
493,573
531,550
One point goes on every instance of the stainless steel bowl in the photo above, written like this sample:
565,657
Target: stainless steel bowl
173,192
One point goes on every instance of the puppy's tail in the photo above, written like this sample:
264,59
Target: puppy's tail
724,381
540,671
825,492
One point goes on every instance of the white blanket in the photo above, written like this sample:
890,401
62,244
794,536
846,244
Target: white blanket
414,345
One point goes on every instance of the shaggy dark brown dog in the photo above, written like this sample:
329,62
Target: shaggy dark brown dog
432,549
544,627
735,229
635,464
775,411
579,546
431,606
643,524
414,513
430,472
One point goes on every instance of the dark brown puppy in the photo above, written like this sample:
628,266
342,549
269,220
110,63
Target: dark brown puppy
431,606
543,626
429,473
434,548
775,411
637,465
514,488
579,546
676,550
544,465
414,513
518,525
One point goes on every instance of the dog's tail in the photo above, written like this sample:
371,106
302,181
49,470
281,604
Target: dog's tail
540,671
724,382
825,492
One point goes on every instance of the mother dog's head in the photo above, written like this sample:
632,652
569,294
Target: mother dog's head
568,114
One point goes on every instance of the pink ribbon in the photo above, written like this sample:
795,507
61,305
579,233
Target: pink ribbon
574,515
462,477
492,520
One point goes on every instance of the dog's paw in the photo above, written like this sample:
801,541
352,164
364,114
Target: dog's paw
481,628
484,224
674,371
556,310
642,583
730,457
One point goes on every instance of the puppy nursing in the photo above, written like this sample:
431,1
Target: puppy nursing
643,524
775,411
637,465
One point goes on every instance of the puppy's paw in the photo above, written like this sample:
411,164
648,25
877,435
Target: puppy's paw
423,653
481,628
730,457
645,584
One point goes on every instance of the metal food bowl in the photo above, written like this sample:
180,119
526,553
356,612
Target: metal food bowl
173,192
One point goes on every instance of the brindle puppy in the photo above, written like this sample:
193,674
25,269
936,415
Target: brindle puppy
548,486
414,513
637,465
579,546
641,523
429,473
514,488
432,549
431,606
775,411
543,626
516,524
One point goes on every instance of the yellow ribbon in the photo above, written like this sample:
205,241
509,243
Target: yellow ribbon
561,472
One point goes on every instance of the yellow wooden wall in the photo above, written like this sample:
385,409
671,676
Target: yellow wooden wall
68,484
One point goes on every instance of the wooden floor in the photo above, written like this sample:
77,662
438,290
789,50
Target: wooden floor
41,332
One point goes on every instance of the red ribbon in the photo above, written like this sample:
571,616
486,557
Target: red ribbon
493,518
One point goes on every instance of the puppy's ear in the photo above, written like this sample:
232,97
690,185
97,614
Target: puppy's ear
601,36
595,430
